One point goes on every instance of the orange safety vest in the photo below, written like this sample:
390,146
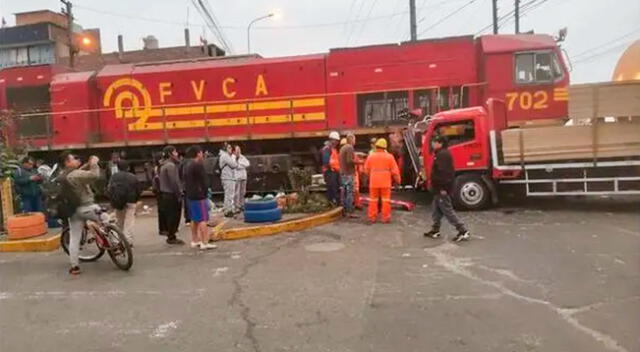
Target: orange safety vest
381,167
334,161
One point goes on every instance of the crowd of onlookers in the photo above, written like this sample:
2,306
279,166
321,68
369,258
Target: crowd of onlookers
180,183
182,187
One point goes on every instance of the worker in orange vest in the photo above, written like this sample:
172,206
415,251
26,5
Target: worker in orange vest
331,168
382,169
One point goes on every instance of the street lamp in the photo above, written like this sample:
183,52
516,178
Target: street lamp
249,29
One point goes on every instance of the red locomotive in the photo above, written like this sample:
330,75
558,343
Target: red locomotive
282,105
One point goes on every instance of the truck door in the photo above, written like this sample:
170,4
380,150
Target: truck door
464,142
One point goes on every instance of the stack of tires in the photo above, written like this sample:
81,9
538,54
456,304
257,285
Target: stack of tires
27,225
263,210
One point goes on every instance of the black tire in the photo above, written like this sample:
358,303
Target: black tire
120,251
257,216
90,256
266,204
470,192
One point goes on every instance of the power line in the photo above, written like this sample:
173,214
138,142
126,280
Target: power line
504,18
366,19
609,42
353,2
352,29
211,19
596,55
453,13
280,27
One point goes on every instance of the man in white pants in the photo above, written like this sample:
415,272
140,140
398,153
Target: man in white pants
228,165
241,178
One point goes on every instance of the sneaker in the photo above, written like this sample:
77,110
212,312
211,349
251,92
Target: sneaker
205,246
196,244
462,236
228,214
433,233
175,241
74,270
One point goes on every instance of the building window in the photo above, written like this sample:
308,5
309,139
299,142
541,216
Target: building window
40,54
28,55
537,67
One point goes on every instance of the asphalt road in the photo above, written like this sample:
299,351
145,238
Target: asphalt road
546,276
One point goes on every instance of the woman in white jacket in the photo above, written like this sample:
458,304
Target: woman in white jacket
240,178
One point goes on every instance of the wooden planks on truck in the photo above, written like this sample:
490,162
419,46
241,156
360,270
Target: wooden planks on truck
605,123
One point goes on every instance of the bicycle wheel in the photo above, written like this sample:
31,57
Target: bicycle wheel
89,249
120,249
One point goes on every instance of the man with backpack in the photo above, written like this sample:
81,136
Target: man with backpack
79,205
124,192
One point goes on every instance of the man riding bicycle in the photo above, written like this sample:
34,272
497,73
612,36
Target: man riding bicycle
79,180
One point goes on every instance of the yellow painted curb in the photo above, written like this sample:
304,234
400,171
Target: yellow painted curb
33,245
285,226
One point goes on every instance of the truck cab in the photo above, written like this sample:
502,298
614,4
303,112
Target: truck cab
526,80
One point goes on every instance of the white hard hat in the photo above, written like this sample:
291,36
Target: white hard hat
334,135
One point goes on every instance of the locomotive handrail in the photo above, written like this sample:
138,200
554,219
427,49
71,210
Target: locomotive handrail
246,100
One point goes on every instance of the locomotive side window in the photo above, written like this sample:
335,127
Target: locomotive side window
536,67
381,109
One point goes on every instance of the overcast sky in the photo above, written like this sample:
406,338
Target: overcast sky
598,30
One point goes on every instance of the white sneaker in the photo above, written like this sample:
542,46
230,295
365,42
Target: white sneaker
196,244
205,246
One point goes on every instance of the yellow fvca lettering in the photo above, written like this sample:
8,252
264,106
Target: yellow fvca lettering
226,90
198,90
261,86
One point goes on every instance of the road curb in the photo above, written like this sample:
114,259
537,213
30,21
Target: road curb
31,245
285,226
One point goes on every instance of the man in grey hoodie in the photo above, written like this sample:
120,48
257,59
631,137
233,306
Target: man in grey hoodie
228,164
80,179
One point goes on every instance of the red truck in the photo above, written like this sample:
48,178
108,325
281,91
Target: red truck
595,159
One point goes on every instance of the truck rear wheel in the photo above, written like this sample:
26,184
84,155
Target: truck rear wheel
470,193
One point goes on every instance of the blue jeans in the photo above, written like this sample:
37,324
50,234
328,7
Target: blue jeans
347,188
31,204
332,180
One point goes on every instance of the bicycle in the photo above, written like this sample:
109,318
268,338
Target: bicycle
98,238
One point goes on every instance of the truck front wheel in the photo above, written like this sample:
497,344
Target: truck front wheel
470,192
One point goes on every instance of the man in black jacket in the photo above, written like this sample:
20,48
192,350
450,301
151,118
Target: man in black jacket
442,176
171,193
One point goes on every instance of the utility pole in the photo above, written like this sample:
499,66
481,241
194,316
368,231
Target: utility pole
69,13
494,4
517,16
413,27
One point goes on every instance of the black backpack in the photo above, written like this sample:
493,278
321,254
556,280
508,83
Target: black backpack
61,201
119,194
